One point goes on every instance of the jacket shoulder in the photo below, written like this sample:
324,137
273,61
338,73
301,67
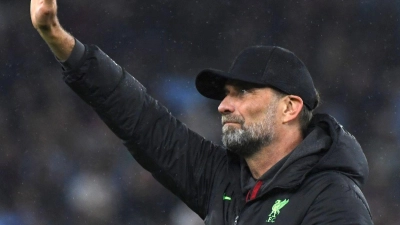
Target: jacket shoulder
337,200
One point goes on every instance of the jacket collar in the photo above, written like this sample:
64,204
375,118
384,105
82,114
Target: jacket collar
320,150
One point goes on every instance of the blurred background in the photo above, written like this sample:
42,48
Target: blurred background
59,164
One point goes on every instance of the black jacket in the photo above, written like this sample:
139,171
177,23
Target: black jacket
318,183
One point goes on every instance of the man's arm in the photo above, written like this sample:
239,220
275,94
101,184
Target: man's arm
180,159
45,21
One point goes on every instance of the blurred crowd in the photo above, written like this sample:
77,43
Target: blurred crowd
59,164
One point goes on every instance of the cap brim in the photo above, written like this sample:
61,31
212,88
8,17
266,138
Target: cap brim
211,82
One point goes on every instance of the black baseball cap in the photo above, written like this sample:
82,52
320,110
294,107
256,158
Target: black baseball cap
271,66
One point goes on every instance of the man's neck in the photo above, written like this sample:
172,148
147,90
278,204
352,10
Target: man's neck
268,156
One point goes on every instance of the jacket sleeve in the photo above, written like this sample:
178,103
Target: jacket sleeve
340,203
180,159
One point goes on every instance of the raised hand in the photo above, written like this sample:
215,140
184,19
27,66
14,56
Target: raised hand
44,14
45,21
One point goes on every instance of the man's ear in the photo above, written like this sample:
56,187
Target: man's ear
292,107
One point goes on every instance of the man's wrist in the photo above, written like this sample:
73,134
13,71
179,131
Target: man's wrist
60,41
75,58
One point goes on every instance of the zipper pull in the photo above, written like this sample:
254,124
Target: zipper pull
236,220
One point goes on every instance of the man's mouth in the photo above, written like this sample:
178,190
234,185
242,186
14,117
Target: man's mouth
230,122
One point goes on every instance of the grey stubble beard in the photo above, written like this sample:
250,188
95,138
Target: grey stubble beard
249,139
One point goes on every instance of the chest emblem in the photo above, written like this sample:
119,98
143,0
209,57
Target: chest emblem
279,204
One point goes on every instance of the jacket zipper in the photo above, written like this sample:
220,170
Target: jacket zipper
250,196
236,220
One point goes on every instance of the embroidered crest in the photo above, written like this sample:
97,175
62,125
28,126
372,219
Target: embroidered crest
279,204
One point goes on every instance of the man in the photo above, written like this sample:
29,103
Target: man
276,166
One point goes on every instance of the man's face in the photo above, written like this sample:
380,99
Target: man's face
248,118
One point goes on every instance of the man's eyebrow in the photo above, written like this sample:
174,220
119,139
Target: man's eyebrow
226,90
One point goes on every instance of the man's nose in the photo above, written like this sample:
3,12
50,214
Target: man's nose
226,106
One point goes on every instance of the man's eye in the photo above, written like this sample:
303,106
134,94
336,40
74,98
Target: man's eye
244,91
